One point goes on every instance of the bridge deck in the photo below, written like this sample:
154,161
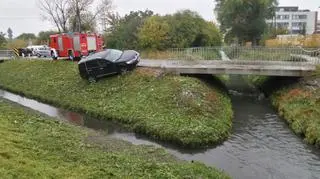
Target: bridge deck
268,68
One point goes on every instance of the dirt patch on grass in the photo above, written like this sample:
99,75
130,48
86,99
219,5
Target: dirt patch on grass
150,72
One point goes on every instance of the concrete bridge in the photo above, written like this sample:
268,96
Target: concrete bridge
266,68
239,60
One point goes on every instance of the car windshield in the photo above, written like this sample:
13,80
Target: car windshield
110,54
113,55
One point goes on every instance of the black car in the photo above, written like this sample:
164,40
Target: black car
108,62
24,52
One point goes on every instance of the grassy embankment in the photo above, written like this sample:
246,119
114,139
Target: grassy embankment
34,146
181,110
299,105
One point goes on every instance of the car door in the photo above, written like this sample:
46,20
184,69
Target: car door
105,67
93,68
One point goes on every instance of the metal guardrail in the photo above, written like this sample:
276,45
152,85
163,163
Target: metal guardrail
294,54
7,54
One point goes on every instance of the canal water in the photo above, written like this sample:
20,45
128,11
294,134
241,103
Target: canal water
261,147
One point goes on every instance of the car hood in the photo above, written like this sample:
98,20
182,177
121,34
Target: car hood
128,55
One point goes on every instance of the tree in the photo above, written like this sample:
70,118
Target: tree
17,43
126,32
10,33
110,22
26,36
44,36
61,12
246,19
154,33
147,31
208,35
84,18
3,40
189,29
106,16
88,23
184,28
57,12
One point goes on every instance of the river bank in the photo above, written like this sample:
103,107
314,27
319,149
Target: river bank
297,101
261,144
181,110
35,146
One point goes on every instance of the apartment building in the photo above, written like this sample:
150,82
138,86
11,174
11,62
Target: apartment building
318,28
295,20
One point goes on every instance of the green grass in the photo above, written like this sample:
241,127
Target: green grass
181,110
34,146
301,109
317,72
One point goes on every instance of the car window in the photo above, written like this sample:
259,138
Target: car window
102,54
102,63
92,64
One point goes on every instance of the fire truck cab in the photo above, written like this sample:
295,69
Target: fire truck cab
75,45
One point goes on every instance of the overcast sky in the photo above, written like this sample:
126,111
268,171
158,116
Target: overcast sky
24,15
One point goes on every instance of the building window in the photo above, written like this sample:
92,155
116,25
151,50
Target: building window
283,17
283,25
299,17
299,24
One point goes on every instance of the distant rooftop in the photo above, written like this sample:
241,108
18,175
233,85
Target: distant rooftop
290,9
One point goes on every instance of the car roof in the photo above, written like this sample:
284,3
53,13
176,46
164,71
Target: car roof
98,55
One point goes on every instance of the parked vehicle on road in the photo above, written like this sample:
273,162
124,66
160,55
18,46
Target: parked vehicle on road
24,52
108,62
75,45
40,50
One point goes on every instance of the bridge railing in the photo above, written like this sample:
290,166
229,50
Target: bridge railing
292,54
196,53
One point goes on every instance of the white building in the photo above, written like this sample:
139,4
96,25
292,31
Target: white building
295,20
318,28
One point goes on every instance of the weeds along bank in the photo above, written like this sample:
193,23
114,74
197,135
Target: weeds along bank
298,103
181,110
33,146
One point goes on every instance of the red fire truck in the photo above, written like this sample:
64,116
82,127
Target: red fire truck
75,45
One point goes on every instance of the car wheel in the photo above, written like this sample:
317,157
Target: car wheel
123,70
39,56
92,79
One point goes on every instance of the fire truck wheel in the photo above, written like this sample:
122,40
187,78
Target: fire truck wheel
92,79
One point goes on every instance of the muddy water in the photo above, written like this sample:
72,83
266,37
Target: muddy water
262,146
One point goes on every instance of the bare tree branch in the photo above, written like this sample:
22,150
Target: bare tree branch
73,13
56,11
